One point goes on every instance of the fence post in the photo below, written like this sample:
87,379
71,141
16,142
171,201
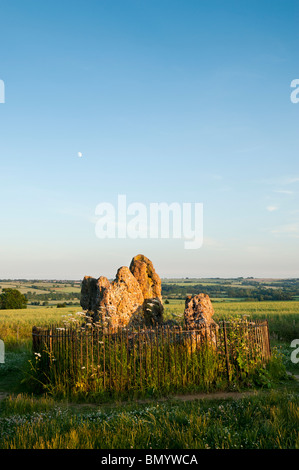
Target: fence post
168,352
226,352
181,353
266,339
115,330
134,362
104,359
157,349
140,357
109,352
151,346
163,354
145,355
174,349
268,334
128,361
120,334
92,333
86,350
50,342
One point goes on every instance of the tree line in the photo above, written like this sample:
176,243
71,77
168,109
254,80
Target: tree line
255,293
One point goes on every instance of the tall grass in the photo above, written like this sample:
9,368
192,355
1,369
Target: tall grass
283,317
257,422
134,365
16,325
89,360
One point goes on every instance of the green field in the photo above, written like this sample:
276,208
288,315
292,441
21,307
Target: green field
40,287
283,317
267,419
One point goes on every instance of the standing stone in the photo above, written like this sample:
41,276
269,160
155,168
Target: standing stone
133,299
92,292
150,283
122,301
198,316
198,311
153,312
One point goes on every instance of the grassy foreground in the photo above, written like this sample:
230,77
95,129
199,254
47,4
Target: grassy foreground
267,419
262,421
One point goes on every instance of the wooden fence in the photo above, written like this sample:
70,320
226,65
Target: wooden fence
158,357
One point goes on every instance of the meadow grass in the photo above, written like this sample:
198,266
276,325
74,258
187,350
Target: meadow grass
262,421
16,325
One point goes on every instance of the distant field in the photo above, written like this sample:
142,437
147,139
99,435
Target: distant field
42,293
236,307
41,287
283,317
24,288
16,325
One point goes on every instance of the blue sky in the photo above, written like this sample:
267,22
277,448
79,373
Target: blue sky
168,101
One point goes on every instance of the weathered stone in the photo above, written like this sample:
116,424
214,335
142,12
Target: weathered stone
198,316
87,292
150,283
133,299
122,301
198,311
92,292
153,311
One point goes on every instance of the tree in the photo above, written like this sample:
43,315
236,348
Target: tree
12,299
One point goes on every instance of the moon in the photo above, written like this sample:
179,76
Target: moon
80,154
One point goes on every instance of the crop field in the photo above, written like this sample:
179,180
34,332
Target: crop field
283,317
